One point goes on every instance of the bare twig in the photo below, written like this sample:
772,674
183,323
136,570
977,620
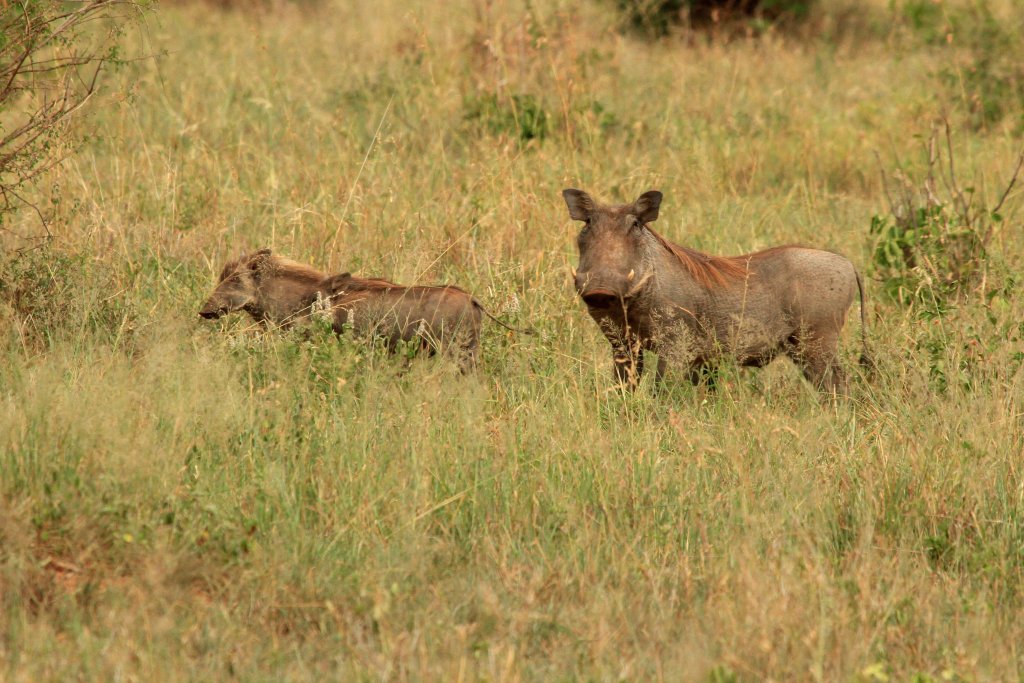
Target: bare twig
885,183
957,192
48,56
1013,180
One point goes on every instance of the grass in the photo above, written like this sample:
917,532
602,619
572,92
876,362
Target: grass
186,500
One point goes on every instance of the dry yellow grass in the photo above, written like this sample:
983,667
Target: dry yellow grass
181,500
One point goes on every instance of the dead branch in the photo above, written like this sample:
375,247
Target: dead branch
1013,180
51,61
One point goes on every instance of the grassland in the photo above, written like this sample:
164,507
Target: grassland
182,500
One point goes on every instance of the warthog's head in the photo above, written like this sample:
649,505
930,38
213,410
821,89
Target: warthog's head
612,269
238,285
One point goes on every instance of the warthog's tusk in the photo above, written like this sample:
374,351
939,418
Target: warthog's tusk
639,285
632,274
573,271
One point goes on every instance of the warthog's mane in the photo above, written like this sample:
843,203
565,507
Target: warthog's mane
715,271
352,283
277,265
285,267
361,284
229,269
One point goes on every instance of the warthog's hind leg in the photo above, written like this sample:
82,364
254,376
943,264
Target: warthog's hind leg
469,357
816,354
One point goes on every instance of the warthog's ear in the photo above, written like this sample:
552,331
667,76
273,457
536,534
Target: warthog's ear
335,283
646,207
259,260
580,204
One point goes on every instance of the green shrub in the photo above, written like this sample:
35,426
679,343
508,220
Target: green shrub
520,116
934,243
47,295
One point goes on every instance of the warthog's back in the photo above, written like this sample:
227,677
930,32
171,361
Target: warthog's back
811,286
441,316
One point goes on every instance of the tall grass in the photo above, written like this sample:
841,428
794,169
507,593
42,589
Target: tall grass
186,500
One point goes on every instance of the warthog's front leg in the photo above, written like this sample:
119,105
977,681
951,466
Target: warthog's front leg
627,356
660,370
628,367
627,361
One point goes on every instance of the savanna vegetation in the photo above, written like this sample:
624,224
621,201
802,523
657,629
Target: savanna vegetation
187,500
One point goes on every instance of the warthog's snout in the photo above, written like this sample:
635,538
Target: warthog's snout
211,313
599,298
602,292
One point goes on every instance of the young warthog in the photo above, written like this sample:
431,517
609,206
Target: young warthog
692,309
441,318
278,291
273,290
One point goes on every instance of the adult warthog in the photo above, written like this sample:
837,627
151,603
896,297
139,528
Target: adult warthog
693,309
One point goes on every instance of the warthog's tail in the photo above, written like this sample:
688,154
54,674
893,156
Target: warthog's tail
507,327
865,358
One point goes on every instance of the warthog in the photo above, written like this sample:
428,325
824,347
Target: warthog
442,318
278,291
272,289
692,309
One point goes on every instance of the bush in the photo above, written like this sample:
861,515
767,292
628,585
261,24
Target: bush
47,296
51,57
934,244
518,116
658,16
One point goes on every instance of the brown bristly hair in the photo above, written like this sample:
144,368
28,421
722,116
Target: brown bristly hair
229,268
279,264
299,270
359,284
717,271
356,284
710,271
